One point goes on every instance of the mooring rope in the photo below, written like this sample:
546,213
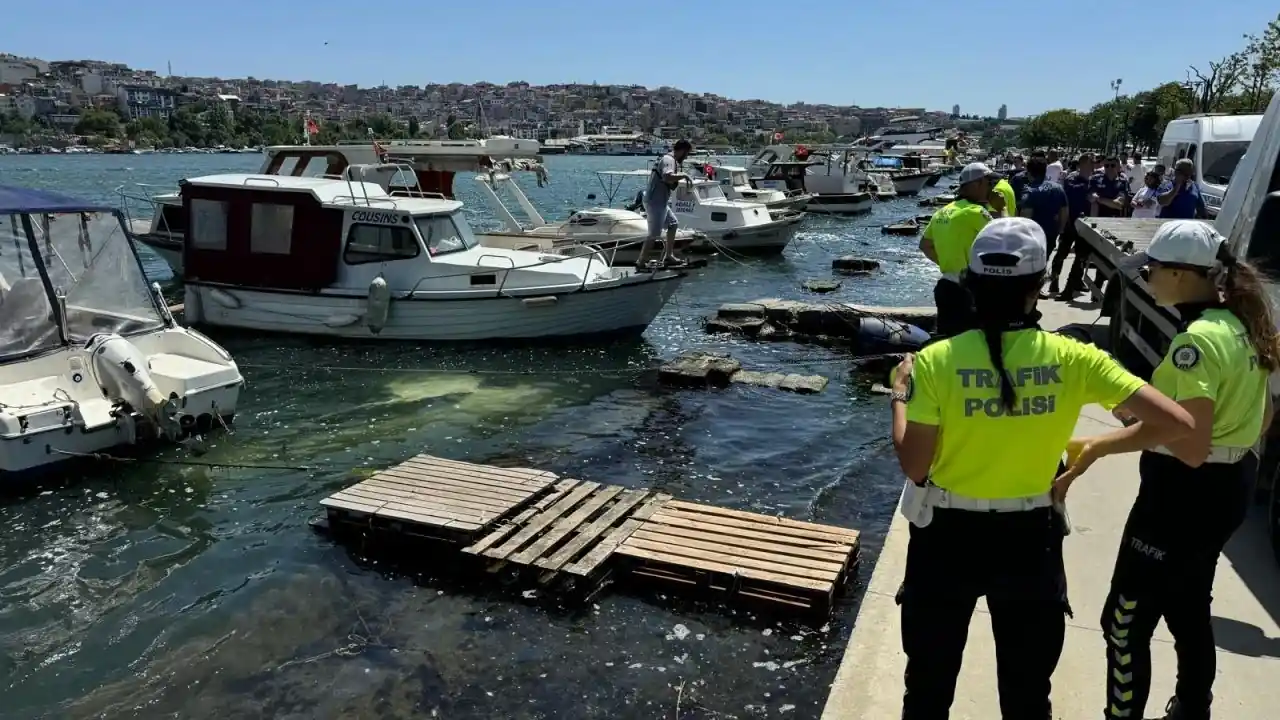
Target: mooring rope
192,463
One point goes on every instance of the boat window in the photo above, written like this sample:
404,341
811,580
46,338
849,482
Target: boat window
379,243
172,219
270,228
25,313
710,192
719,217
90,260
740,178
442,235
208,224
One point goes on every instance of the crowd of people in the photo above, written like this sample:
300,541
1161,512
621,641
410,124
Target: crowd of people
983,416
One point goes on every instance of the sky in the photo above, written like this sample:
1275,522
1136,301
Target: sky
978,54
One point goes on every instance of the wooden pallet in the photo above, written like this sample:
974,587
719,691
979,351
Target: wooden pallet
439,498
777,561
574,532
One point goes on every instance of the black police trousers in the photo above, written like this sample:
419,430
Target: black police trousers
955,309
1178,526
1015,560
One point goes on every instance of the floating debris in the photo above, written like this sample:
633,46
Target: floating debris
818,285
700,368
867,329
854,265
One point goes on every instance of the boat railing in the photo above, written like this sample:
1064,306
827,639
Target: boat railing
365,200
264,181
139,199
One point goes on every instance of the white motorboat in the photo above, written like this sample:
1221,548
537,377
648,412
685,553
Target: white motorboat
90,357
736,184
156,215
837,187
342,258
731,225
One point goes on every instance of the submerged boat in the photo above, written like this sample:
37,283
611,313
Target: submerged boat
836,187
347,258
90,357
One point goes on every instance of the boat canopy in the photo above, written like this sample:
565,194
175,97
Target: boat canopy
67,272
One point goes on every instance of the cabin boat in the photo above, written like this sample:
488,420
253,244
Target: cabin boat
348,259
736,184
727,225
90,357
432,167
837,187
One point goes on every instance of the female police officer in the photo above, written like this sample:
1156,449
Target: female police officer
980,422
1194,492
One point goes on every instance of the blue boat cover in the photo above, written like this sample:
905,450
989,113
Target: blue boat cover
20,201
888,162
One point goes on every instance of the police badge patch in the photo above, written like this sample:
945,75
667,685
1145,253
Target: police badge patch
1186,357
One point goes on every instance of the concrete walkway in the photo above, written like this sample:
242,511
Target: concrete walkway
1246,609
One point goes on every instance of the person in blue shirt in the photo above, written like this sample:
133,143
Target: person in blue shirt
1108,192
1076,185
1043,201
1182,201
1018,179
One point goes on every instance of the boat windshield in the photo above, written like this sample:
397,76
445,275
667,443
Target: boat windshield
710,192
90,262
739,178
443,235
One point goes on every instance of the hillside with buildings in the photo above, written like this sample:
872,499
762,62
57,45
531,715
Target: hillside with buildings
111,103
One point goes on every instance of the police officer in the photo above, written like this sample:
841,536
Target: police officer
1194,492
980,422
947,239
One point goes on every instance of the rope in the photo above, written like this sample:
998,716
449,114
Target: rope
192,463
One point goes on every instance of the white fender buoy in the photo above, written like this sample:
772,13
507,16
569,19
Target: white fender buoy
378,305
224,298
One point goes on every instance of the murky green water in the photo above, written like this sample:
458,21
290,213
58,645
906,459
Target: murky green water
172,591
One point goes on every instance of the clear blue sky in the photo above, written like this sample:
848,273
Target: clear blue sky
932,53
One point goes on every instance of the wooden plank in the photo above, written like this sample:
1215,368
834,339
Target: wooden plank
757,517
831,569
341,501
440,509
510,475
543,519
682,522
477,487
796,601
735,524
834,557
629,499
443,496
710,566
514,524
601,552
414,516
566,525
414,473
678,554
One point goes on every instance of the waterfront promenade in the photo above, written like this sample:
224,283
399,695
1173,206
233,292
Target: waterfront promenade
1246,610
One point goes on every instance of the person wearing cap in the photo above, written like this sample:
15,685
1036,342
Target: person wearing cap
664,177
980,422
947,239
1182,199
1194,492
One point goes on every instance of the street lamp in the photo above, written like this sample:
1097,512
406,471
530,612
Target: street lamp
1111,121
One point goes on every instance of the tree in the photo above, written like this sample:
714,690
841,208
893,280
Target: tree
1262,66
414,127
1223,78
1056,128
98,122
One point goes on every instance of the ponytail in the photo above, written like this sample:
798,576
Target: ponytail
1246,298
999,304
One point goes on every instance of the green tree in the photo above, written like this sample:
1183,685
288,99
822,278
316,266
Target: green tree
1262,67
414,127
98,122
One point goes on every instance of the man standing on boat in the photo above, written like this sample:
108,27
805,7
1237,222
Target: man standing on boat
664,177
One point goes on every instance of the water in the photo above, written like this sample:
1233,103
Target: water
174,591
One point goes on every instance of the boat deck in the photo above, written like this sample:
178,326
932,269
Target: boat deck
565,534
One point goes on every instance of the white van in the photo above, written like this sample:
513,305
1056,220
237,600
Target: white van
1215,142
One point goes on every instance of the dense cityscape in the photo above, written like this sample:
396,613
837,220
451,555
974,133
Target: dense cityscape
97,104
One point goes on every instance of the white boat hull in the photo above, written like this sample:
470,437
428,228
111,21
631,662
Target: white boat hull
770,237
909,184
628,308
843,204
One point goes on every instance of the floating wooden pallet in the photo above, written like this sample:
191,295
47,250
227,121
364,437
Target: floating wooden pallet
574,532
438,498
761,557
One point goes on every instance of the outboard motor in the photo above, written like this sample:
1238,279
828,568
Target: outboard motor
121,370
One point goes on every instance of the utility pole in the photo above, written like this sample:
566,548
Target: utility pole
1111,121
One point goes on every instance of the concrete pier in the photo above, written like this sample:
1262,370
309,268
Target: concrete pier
1246,610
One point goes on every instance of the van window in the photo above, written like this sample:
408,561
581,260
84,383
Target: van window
1220,160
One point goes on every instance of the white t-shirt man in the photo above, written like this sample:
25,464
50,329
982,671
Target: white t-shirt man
1053,171
1137,173
1144,201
